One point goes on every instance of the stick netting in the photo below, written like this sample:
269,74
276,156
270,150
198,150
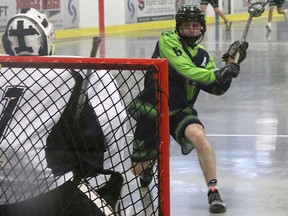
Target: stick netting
65,130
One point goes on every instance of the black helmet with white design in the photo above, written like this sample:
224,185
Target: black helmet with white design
28,33
189,13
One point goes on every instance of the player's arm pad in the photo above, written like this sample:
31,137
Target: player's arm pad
223,80
215,88
234,48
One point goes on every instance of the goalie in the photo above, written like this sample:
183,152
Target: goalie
191,69
50,141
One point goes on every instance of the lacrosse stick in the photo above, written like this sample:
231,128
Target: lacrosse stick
255,9
95,45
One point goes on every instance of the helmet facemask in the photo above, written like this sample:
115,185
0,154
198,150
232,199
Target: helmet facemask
188,14
28,33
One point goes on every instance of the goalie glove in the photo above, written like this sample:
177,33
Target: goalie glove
227,73
234,48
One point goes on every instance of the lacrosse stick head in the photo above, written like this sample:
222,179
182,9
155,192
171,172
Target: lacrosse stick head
257,7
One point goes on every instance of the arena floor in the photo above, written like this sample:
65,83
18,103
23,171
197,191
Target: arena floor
248,126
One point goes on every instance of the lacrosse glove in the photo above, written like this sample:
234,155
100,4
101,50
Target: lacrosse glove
227,73
234,48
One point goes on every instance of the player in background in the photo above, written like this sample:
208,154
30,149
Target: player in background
246,3
191,69
48,142
215,5
178,4
280,10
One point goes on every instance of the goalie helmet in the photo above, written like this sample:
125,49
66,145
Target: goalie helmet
28,33
189,13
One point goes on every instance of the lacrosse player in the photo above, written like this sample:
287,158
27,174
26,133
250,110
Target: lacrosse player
191,69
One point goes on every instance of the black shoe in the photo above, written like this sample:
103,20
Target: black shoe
146,176
216,203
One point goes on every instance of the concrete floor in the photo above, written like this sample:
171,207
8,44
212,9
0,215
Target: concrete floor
247,126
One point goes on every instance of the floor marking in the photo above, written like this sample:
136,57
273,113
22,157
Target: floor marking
248,135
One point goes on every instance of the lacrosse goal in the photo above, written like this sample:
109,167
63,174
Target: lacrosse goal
129,75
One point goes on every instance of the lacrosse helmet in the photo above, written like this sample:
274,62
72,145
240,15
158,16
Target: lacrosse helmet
28,33
189,13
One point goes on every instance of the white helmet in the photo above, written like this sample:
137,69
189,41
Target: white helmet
28,33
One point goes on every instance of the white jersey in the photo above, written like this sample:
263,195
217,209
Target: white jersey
111,115
33,105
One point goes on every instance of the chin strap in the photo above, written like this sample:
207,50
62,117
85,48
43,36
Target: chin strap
192,41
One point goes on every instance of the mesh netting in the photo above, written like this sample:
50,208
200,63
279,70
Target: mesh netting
67,137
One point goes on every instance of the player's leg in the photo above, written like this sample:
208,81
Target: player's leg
223,16
268,26
179,121
145,170
285,15
215,5
145,151
203,5
186,124
280,9
195,134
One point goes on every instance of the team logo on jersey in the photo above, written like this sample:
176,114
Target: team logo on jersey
204,62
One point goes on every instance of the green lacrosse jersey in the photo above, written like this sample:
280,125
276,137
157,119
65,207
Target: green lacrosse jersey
188,67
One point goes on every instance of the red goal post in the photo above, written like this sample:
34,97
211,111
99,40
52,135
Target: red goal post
129,74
